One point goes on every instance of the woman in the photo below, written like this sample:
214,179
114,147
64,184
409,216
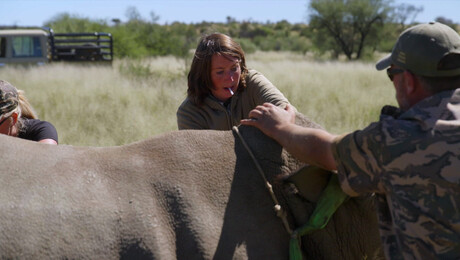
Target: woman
221,90
18,119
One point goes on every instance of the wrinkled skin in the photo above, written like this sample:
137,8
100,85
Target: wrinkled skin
192,194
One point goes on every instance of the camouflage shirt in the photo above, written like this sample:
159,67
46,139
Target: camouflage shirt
411,161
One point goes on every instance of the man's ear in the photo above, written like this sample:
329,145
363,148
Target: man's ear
411,82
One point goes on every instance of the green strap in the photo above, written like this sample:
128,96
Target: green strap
330,200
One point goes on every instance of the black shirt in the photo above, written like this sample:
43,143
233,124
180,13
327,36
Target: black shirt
36,130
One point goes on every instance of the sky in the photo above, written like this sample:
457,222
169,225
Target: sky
37,12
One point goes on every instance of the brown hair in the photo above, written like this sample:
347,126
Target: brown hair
27,110
199,77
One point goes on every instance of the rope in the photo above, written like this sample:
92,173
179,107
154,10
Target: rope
330,200
279,211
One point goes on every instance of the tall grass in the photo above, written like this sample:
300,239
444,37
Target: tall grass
340,96
136,99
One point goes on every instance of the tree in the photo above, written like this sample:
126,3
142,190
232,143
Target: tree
446,21
345,25
404,12
154,17
133,14
67,23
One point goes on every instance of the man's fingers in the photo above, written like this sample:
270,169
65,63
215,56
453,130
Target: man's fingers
256,112
250,121
268,105
259,115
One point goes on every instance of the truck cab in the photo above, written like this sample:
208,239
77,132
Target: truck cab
33,46
24,46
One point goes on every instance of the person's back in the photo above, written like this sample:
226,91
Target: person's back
410,158
411,162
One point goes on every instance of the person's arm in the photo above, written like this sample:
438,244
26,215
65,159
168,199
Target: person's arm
40,131
186,120
309,145
188,125
48,141
263,91
188,116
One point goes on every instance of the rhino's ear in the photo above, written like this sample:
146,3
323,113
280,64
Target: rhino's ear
310,181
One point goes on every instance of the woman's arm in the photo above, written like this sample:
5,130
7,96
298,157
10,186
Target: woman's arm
188,116
40,131
263,91
48,141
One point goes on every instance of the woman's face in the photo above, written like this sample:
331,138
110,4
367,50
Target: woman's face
225,76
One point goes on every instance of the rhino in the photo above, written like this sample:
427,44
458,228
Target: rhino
192,194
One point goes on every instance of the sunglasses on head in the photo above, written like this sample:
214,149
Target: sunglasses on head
391,72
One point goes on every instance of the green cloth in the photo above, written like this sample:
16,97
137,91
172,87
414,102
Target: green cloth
330,200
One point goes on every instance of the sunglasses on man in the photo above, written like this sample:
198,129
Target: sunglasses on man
391,72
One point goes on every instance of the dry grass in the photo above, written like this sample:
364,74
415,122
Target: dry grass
341,96
133,100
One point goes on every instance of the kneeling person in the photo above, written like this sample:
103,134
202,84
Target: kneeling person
18,119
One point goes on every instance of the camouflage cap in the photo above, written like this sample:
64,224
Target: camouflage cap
431,50
8,98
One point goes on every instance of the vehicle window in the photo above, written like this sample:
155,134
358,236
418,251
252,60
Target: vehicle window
26,46
2,47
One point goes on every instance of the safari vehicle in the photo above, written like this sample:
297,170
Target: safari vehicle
40,46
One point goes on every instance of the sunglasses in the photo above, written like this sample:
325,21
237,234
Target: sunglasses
391,72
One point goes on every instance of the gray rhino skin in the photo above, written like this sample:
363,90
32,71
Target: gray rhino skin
181,195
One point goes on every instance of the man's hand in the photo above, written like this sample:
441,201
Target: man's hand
270,118
309,145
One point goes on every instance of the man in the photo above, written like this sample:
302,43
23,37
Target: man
410,159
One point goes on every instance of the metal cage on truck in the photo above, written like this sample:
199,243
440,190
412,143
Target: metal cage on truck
81,46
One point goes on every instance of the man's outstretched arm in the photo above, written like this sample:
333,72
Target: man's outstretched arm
309,145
